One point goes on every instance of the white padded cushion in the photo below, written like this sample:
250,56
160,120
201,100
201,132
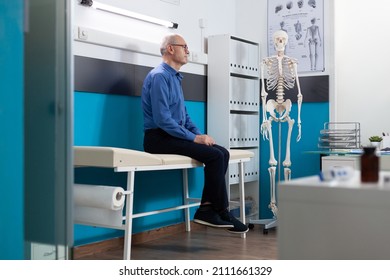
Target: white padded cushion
168,159
118,157
240,154
112,157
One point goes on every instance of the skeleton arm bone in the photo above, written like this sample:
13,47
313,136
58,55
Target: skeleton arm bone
264,95
299,101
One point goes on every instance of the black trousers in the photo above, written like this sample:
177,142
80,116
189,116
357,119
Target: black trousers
215,158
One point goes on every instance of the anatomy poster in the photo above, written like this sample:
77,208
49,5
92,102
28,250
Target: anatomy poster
303,20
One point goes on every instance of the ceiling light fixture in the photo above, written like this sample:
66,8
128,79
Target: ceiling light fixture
99,6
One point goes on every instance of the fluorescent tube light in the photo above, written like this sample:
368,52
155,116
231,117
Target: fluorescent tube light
123,12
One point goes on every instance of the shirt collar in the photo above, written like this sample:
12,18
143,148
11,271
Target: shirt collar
172,71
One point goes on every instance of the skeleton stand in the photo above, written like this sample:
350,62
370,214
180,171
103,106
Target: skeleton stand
282,73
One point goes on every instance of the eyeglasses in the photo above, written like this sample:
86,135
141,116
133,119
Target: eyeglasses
185,47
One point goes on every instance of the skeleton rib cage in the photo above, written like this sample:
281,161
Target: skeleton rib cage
287,72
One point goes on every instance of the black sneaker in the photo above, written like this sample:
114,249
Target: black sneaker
238,226
207,216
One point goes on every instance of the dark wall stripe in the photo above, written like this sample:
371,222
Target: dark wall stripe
313,89
110,77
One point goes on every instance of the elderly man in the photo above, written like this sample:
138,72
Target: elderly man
169,130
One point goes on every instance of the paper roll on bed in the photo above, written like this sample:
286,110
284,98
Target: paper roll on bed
98,205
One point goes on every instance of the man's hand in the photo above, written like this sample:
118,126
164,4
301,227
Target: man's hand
204,139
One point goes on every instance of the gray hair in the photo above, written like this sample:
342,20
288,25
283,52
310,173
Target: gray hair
167,40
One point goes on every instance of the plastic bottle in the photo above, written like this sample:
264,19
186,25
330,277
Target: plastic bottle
369,165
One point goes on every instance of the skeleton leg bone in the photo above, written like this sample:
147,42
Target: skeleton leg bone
287,160
272,205
272,161
287,174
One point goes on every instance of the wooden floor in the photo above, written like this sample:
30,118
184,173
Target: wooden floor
202,243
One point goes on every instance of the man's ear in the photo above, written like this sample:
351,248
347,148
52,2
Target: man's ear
170,49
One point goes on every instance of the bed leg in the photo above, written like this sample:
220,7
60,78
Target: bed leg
129,215
186,196
242,194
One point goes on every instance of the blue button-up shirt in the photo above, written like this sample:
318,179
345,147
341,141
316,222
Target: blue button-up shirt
163,103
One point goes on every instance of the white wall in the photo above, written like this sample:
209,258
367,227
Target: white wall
362,65
252,22
219,16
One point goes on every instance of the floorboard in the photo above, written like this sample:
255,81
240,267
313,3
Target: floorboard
202,243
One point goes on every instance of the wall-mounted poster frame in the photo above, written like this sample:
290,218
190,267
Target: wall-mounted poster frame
303,20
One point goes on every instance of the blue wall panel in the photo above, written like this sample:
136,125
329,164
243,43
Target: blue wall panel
11,126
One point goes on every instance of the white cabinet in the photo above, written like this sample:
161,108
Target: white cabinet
327,162
334,220
233,99
353,161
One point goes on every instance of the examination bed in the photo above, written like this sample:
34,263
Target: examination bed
132,161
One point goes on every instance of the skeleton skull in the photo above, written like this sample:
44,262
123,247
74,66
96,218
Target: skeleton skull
280,38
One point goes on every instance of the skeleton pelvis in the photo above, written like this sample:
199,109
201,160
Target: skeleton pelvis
283,109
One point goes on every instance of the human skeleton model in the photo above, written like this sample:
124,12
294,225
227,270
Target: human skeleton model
282,74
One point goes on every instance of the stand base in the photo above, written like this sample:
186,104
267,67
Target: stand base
268,223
